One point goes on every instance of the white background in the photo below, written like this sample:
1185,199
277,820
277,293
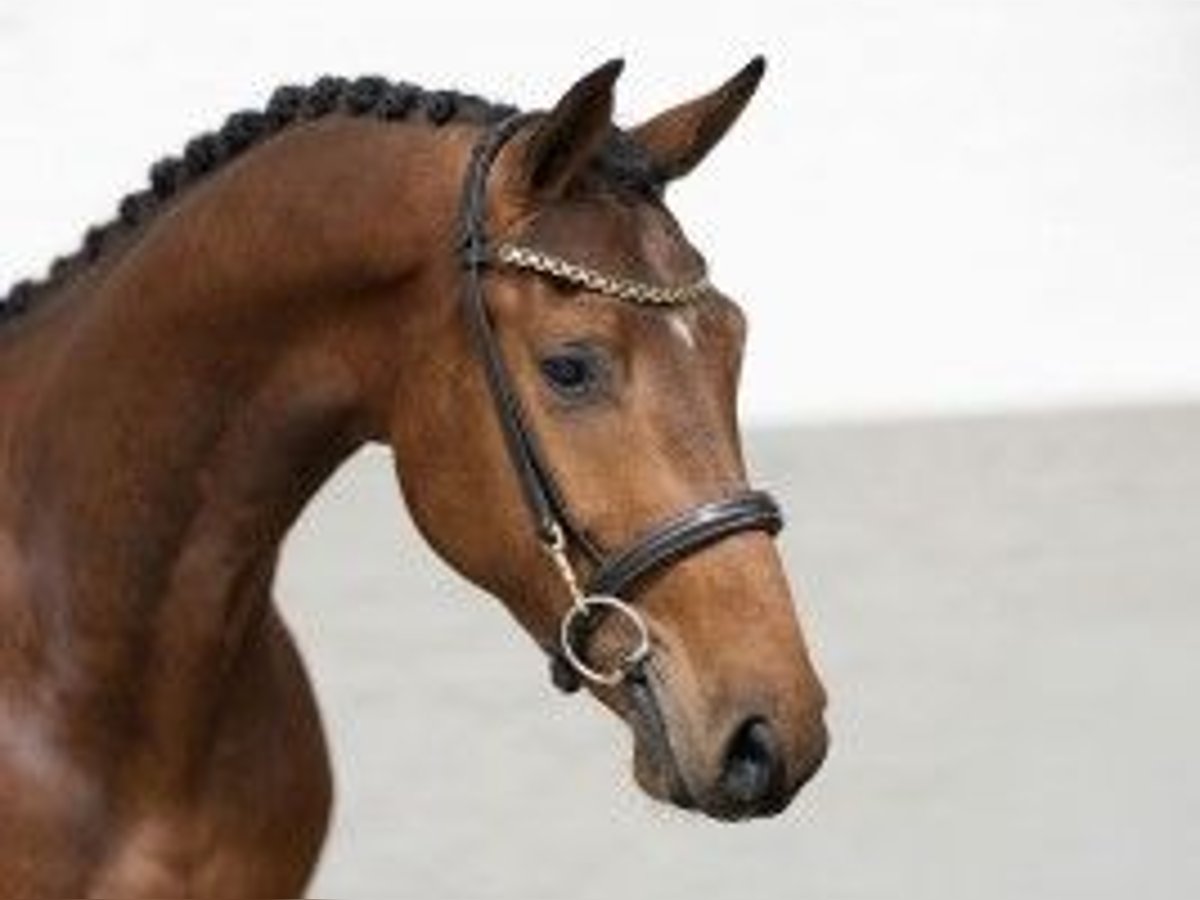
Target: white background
931,207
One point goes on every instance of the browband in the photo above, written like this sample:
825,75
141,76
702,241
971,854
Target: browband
521,257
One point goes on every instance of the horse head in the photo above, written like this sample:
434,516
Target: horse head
593,385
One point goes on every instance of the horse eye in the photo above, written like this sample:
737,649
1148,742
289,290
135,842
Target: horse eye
572,373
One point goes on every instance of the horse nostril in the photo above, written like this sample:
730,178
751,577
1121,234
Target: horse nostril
753,767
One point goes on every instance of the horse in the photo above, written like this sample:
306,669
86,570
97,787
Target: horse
502,298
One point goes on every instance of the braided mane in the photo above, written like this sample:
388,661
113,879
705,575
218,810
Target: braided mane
620,161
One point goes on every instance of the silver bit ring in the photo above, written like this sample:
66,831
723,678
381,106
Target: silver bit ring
578,615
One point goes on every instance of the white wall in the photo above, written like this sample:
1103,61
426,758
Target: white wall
932,206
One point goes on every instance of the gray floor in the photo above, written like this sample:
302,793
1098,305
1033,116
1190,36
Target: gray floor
1007,614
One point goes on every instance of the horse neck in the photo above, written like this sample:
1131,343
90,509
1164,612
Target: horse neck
188,408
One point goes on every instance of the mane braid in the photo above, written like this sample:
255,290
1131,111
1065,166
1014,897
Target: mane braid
367,97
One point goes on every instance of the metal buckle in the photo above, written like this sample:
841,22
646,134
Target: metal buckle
581,611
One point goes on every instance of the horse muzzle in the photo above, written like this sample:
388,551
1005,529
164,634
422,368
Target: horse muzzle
756,772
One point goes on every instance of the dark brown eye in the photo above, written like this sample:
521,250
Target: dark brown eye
573,372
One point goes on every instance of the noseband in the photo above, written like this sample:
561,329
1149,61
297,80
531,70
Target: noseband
612,573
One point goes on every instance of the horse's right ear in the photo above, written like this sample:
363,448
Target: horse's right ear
563,142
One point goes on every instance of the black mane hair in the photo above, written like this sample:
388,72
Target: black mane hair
621,161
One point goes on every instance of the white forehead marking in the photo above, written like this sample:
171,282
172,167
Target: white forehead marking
683,328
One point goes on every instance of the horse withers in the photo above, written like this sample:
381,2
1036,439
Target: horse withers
502,298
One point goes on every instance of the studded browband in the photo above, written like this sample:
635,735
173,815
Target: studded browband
597,282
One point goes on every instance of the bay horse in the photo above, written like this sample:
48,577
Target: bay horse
504,300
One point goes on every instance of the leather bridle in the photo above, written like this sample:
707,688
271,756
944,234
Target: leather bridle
612,573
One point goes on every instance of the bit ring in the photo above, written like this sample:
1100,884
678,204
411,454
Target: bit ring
578,615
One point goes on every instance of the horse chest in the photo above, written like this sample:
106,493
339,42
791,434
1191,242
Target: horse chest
246,820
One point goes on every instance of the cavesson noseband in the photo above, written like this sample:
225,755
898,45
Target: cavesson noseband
613,573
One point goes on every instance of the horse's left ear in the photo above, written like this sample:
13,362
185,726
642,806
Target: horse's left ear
680,138
566,138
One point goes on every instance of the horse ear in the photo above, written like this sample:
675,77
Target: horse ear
680,138
565,140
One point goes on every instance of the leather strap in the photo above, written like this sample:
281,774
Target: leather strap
542,495
683,535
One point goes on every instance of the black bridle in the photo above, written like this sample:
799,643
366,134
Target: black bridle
613,573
